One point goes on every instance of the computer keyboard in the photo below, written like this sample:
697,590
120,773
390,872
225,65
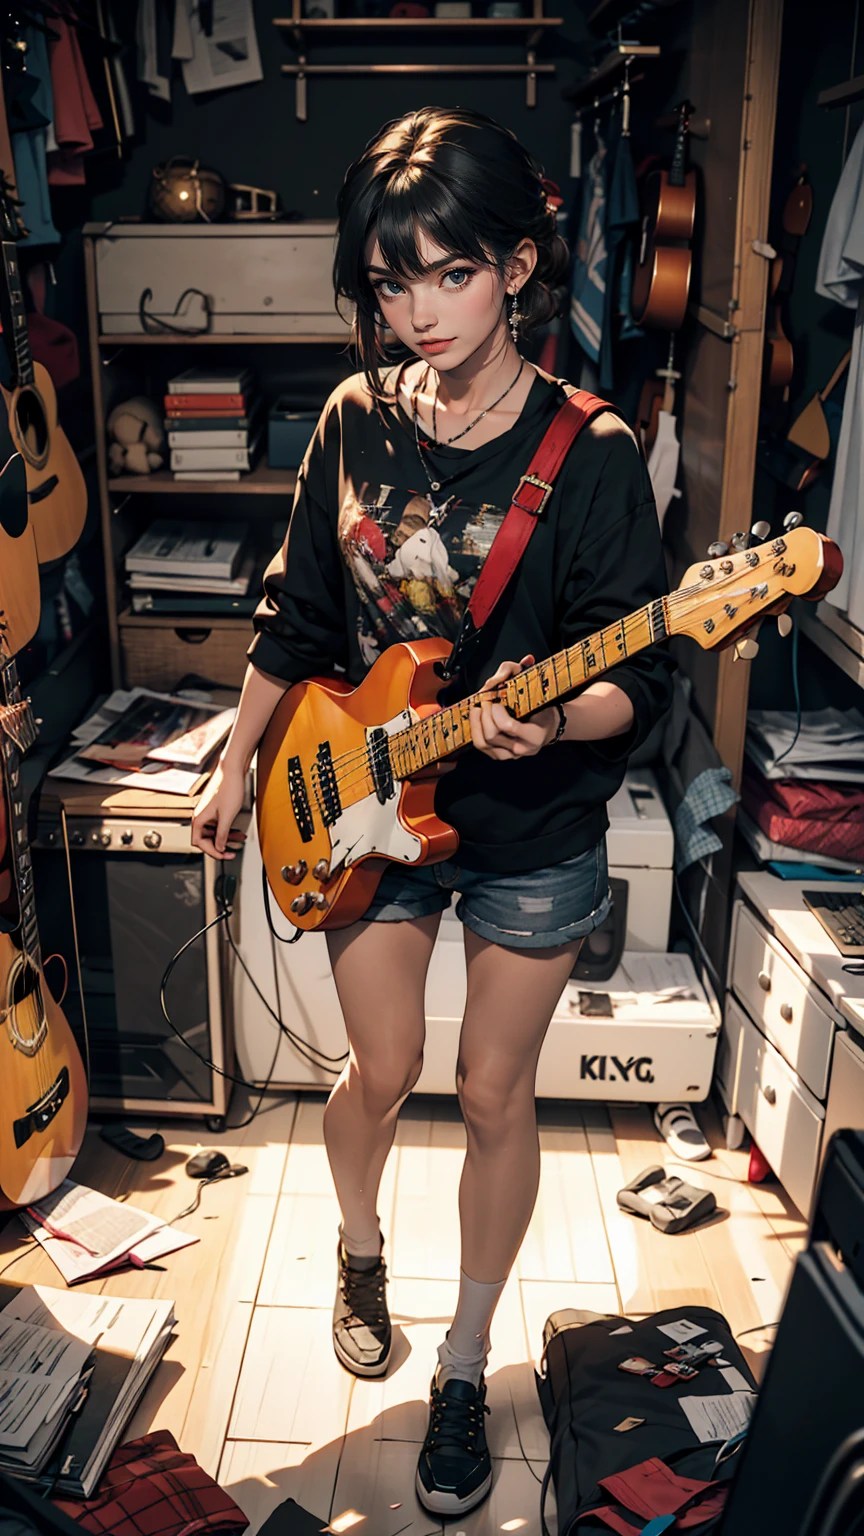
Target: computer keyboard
841,914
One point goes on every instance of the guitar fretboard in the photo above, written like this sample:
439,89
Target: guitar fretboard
15,315
22,864
430,740
678,167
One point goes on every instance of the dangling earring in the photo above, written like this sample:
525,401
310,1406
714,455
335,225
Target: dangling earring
515,318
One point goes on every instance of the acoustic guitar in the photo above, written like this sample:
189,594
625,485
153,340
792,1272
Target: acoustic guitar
43,1090
20,597
661,279
779,354
346,776
56,491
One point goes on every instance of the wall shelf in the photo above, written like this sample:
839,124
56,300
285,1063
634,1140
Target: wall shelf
842,95
261,481
169,339
612,68
831,631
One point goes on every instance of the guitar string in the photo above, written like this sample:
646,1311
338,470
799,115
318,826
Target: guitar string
353,765
16,707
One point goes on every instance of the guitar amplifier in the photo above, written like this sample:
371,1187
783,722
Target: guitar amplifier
125,895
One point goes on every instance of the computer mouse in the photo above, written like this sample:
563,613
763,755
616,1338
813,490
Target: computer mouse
206,1163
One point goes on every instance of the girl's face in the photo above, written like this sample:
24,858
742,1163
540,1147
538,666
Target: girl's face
448,314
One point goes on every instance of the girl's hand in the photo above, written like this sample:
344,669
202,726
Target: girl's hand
494,730
220,803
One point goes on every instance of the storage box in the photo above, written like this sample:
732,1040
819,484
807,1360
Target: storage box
289,434
256,278
158,650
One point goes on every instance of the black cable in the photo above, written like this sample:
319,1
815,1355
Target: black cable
232,1172
762,1326
253,1112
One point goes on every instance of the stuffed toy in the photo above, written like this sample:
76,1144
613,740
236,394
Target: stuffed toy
136,439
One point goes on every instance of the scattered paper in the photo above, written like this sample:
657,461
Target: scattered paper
681,1331
615,1331
720,1417
227,53
168,780
85,1233
736,1380
628,1424
664,983
39,1371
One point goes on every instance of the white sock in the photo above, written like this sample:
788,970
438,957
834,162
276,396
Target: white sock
465,1350
361,1248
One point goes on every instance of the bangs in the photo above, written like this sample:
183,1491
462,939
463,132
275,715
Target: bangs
417,202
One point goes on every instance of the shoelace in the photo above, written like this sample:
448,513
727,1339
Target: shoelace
455,1423
363,1292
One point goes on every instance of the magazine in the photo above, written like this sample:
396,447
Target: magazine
160,729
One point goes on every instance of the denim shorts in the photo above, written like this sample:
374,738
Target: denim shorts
537,909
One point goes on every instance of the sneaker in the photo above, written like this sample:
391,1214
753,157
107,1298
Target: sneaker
362,1336
454,1472
678,1126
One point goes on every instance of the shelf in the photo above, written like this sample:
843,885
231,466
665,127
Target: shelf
126,619
262,481
141,339
584,92
842,95
831,631
418,69
420,24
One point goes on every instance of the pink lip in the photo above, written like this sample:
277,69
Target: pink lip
436,346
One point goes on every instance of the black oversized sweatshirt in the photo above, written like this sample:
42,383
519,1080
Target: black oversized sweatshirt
372,556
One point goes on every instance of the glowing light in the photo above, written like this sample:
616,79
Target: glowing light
345,1521
513,1525
183,196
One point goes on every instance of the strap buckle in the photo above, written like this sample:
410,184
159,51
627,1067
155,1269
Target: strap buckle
534,503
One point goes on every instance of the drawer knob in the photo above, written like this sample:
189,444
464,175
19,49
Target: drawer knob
764,981
786,1012
770,1094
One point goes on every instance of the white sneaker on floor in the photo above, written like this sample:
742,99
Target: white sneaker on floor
678,1125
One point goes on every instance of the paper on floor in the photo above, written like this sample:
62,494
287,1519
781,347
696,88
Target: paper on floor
720,1417
681,1331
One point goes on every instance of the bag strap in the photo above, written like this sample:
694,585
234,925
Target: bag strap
529,501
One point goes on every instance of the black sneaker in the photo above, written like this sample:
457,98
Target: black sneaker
362,1335
454,1472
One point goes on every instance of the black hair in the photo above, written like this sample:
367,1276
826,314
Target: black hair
470,186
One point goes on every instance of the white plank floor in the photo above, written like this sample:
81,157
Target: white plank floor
250,1384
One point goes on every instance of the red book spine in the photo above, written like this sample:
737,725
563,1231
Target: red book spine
198,403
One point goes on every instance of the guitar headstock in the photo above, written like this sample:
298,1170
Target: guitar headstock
726,595
11,226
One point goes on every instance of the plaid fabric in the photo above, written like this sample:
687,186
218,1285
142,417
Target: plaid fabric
152,1488
710,794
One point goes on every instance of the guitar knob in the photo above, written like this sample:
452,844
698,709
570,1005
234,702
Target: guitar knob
321,902
793,520
302,903
293,873
321,870
740,541
760,530
716,550
746,649
784,624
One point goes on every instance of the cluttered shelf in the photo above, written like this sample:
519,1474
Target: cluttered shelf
223,339
836,637
260,481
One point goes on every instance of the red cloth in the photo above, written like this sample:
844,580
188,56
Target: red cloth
55,346
809,816
75,109
152,1488
652,1489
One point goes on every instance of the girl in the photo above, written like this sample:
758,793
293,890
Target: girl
447,238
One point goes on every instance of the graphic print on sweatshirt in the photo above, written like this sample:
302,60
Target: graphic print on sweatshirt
414,563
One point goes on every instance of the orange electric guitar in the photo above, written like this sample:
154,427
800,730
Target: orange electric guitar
56,492
346,777
661,279
43,1091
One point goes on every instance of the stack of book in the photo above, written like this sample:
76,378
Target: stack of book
211,422
181,567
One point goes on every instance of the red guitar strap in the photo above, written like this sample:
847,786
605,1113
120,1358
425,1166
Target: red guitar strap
529,500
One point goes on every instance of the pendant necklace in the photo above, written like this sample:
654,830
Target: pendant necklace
436,480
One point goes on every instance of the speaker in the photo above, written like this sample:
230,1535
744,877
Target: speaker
116,900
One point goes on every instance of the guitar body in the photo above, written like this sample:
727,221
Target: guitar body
56,492
402,686
661,279
43,1090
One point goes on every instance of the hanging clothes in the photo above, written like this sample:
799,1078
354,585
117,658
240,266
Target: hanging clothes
30,147
76,114
622,215
840,276
588,292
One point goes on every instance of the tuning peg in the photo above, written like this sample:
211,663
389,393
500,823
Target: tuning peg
793,520
746,649
784,624
760,530
740,541
716,550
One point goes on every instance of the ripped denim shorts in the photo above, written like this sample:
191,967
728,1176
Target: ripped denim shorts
536,909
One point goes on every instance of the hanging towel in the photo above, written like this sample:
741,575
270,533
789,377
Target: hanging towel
76,115
588,294
709,795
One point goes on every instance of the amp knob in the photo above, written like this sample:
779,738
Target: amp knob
152,839
126,838
77,839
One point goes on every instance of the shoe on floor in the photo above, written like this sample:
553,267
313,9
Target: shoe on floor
678,1125
454,1472
362,1336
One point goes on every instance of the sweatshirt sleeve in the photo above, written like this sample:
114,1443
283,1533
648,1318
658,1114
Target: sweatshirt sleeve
618,567
300,624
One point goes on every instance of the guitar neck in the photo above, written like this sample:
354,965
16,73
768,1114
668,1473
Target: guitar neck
17,726
678,167
447,731
15,315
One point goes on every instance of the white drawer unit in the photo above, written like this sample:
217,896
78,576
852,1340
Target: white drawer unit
845,1107
257,278
782,999
784,1118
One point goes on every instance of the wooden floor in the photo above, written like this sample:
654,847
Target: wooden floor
250,1384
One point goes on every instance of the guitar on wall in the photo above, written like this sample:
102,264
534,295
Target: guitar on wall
661,277
56,491
346,777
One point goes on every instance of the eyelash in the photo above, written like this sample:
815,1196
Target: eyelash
466,272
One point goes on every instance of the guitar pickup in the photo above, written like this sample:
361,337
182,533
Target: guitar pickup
300,800
380,766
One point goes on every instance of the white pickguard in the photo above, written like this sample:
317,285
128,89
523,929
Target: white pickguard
370,827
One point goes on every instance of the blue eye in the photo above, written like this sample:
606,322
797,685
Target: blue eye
386,287
461,275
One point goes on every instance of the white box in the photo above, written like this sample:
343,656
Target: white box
258,278
640,845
